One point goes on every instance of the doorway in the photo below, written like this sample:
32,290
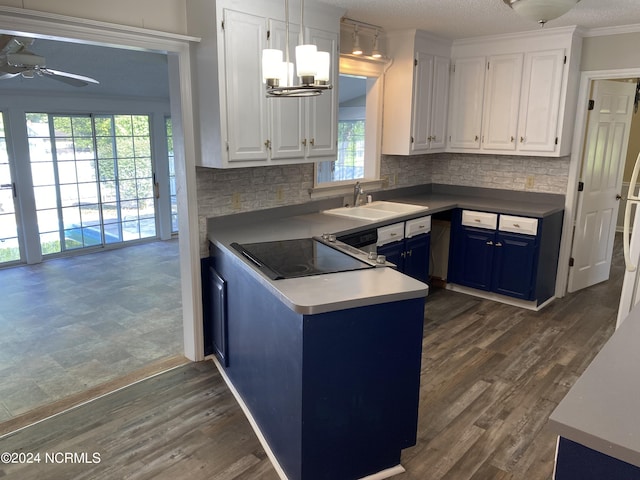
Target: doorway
579,148
177,56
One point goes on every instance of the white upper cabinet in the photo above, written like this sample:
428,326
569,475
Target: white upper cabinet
540,100
501,102
523,101
416,94
245,37
322,120
467,93
238,125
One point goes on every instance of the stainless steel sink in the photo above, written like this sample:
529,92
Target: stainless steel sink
380,210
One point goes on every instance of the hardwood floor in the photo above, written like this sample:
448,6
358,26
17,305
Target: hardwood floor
491,375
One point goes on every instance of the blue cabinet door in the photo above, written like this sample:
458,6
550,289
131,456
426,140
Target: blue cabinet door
394,253
416,260
475,260
514,265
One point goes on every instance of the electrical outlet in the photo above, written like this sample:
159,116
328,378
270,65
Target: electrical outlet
529,182
279,194
235,201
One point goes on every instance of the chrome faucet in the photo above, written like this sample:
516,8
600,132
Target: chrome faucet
357,191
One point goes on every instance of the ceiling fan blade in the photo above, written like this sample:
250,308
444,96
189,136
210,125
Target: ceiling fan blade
68,78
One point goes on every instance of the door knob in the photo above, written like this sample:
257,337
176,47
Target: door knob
618,197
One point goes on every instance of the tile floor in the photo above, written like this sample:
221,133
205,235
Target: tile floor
69,324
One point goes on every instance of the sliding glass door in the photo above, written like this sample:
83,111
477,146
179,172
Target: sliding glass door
9,244
92,179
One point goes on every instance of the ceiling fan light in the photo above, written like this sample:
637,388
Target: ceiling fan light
541,11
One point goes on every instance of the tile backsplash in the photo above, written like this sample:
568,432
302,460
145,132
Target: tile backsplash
223,192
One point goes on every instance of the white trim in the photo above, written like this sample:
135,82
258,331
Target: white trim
617,30
389,472
252,421
102,33
56,23
577,151
496,297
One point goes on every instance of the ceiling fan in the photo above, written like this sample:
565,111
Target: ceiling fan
16,59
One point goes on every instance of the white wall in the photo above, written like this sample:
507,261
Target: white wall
610,52
163,15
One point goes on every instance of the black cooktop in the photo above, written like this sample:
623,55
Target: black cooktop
298,258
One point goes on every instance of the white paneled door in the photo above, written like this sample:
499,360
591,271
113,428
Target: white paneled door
602,168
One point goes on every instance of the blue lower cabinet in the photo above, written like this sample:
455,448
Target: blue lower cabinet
474,265
411,256
394,253
335,394
514,263
416,261
577,462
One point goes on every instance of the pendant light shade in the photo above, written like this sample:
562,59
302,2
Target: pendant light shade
541,11
271,66
306,68
323,62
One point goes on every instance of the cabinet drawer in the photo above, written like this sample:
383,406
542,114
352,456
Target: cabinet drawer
417,226
480,219
390,233
525,225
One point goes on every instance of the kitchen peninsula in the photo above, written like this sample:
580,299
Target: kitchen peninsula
328,366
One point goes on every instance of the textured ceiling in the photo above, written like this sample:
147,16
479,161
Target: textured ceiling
145,74
456,19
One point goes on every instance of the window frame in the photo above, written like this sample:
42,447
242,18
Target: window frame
374,71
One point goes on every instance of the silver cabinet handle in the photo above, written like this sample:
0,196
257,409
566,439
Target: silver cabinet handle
489,242
498,244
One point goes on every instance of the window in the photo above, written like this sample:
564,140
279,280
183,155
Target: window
359,124
172,176
92,179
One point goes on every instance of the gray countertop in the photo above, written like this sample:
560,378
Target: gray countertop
602,409
322,293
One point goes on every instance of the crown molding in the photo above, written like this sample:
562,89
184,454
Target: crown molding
617,30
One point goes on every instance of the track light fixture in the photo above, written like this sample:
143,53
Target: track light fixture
364,35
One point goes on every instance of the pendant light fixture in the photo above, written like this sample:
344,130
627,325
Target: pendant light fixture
312,67
541,11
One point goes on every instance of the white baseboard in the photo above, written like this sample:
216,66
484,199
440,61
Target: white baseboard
529,305
389,472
